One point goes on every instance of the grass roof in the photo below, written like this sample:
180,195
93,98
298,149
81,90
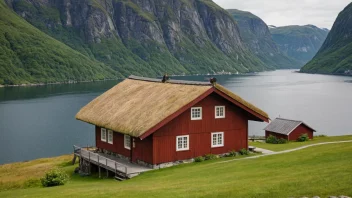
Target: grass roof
136,105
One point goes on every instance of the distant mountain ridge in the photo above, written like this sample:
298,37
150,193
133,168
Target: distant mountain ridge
335,55
299,42
257,37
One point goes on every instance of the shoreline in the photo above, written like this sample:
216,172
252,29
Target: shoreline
348,75
57,83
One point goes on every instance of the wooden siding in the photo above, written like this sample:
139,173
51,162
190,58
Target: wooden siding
301,129
234,126
142,149
116,147
277,135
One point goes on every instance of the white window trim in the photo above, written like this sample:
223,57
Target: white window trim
102,131
223,116
124,142
112,137
192,118
217,145
182,149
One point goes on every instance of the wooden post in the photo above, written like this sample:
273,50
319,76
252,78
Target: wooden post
115,169
107,171
99,167
89,162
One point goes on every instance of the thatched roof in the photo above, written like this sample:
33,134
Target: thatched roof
136,105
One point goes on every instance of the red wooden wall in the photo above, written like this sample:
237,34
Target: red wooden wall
301,129
234,126
142,149
277,135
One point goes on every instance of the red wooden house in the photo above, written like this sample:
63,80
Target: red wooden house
288,129
150,122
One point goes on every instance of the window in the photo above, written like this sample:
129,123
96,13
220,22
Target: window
196,113
217,139
127,142
182,143
219,111
110,137
103,135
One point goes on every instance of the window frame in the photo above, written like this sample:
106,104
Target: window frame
222,140
110,132
182,149
201,112
223,116
124,142
103,131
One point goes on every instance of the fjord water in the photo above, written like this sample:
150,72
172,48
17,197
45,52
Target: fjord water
39,121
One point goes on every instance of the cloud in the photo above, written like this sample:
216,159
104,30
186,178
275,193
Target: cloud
321,13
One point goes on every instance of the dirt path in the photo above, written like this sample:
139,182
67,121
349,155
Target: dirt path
268,152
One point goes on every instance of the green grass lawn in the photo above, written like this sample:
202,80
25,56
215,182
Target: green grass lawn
320,170
293,144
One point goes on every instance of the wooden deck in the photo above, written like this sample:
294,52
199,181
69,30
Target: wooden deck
111,163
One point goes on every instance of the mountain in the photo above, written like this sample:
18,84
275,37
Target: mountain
255,33
141,37
335,55
29,55
299,42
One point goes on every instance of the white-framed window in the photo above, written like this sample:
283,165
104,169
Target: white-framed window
196,113
217,139
219,111
182,143
127,142
110,136
103,134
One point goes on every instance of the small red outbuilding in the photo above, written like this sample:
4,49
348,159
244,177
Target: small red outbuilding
288,129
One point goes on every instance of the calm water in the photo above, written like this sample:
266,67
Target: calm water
39,122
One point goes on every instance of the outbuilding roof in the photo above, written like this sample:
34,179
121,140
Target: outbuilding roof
284,126
138,106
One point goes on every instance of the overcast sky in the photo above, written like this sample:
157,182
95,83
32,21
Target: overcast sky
321,13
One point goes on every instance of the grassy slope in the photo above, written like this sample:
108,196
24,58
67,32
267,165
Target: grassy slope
291,144
30,56
335,57
297,174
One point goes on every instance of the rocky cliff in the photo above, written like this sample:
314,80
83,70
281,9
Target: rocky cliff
299,42
145,37
255,33
335,55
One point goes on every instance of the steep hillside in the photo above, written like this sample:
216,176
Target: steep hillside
335,55
255,33
299,42
145,37
29,56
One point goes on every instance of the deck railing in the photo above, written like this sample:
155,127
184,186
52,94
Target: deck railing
100,160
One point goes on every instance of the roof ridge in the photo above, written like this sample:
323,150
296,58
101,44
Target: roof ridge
183,82
289,119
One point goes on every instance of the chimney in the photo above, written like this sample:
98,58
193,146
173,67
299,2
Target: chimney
213,81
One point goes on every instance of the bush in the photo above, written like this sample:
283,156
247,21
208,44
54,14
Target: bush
199,159
271,139
244,151
282,141
54,178
209,156
303,137
232,154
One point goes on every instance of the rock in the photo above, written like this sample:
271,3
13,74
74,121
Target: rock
343,196
76,170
